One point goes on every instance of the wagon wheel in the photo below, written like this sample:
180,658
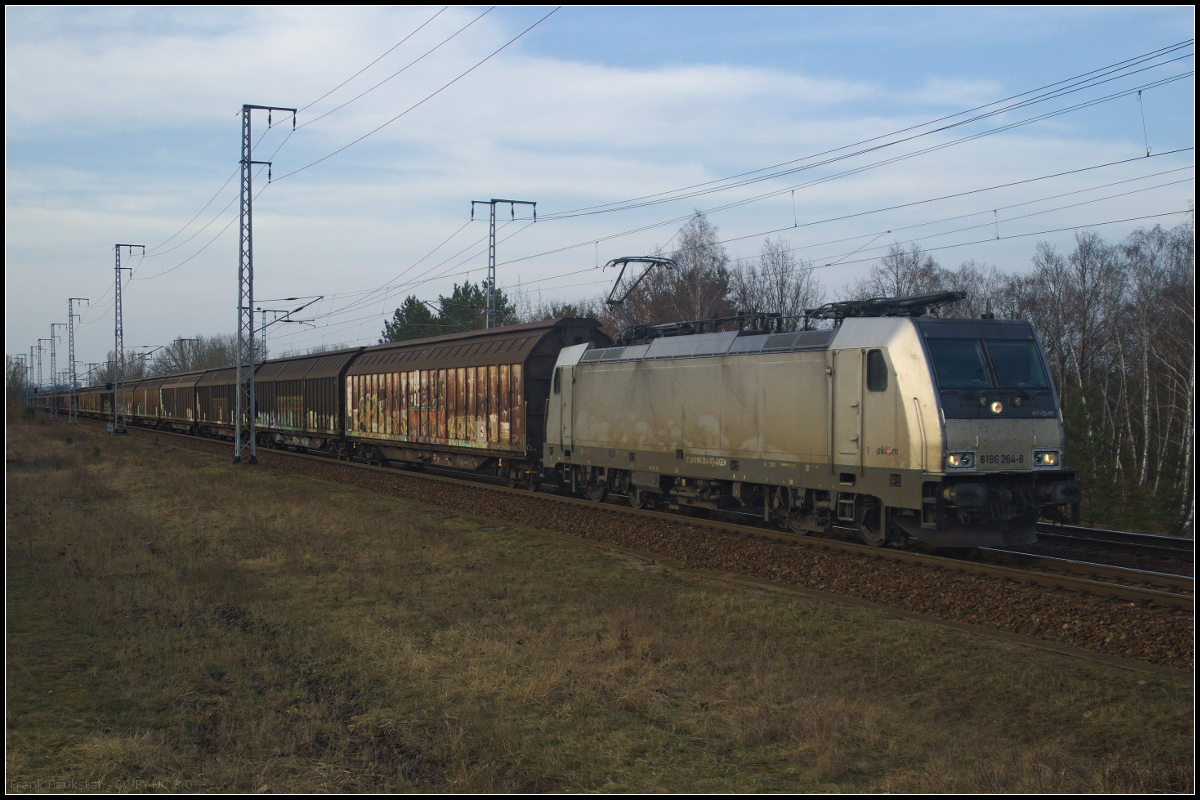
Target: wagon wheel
637,497
869,515
596,491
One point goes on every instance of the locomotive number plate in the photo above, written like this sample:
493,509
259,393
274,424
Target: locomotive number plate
986,458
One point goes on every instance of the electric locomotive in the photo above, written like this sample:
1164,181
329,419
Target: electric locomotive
895,422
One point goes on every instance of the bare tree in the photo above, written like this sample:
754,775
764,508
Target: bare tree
984,285
778,283
16,380
316,350
540,310
901,273
198,353
135,367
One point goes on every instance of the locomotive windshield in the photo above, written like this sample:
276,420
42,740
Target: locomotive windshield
987,364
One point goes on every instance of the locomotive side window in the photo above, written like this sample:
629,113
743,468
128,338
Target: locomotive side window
877,376
558,380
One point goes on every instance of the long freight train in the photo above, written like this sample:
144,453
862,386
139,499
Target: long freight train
944,430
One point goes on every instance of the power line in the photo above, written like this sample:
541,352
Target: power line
876,235
233,174
989,224
678,194
447,85
856,170
402,69
210,241
206,205
376,61
421,102
390,289
986,189
1027,235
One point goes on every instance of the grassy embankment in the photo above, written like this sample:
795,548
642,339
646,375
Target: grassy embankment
175,622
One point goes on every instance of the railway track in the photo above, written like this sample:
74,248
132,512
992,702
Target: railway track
1159,588
1142,544
1081,577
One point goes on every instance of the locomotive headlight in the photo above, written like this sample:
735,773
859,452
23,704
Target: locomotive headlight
961,460
1045,458
997,407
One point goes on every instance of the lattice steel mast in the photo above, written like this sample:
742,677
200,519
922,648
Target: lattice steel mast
118,408
244,440
72,401
54,381
491,299
40,349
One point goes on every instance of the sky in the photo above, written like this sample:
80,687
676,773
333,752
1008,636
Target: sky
973,132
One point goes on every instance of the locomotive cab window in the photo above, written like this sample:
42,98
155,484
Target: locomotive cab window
877,374
959,363
558,380
987,364
1017,363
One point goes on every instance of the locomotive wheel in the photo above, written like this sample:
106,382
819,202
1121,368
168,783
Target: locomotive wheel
637,498
870,521
795,523
596,492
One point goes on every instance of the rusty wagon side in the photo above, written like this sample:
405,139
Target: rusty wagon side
473,401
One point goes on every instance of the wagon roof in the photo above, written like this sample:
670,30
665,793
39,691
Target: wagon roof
144,384
314,365
182,379
216,377
512,344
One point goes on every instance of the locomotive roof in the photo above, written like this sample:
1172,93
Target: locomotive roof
725,343
936,328
732,343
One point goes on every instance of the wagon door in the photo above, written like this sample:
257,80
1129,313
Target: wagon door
847,406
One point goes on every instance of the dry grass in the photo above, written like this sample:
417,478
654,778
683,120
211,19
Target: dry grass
177,623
